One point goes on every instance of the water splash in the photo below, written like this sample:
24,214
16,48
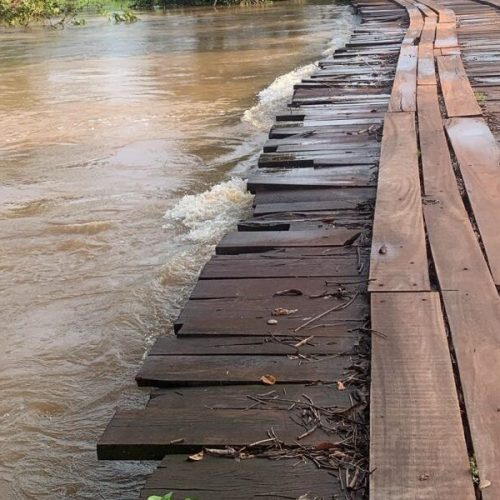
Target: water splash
274,98
210,214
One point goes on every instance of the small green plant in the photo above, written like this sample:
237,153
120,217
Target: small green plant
127,17
167,496
473,470
480,97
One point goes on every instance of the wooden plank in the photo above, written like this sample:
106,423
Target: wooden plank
268,288
417,444
403,95
446,35
284,266
398,258
352,176
437,168
343,197
169,371
151,434
474,318
429,31
458,95
170,345
356,160
306,207
217,478
426,71
237,397
415,27
257,241
245,317
478,156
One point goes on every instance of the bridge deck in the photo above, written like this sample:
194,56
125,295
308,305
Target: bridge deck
374,239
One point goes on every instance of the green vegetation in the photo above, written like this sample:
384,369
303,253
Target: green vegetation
163,4
473,470
26,12
57,13
480,97
167,496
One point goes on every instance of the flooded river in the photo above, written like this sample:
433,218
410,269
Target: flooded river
121,150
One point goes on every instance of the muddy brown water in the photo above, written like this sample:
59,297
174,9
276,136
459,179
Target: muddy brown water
103,129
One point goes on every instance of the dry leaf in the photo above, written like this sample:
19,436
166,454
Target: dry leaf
196,457
340,385
325,446
268,379
281,311
484,484
272,321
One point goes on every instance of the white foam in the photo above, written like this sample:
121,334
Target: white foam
273,98
209,215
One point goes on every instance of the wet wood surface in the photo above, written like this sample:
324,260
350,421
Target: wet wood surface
218,478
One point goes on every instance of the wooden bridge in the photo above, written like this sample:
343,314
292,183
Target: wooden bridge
345,341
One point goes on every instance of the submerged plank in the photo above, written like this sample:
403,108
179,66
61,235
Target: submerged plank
398,257
417,444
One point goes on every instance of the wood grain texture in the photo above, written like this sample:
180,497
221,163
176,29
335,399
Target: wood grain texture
437,168
403,95
446,35
285,265
458,96
426,72
250,317
256,241
429,31
474,319
170,345
398,257
445,214
349,176
236,397
218,478
417,445
478,156
248,290
152,433
168,371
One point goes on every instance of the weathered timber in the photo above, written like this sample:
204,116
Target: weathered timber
413,399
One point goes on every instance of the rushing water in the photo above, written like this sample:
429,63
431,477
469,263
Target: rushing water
103,129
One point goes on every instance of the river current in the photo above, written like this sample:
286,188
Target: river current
122,154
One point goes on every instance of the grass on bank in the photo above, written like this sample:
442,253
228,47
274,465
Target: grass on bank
59,13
